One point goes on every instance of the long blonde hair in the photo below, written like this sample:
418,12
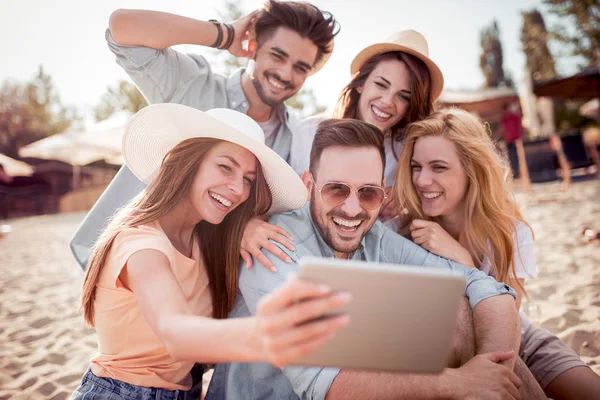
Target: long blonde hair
491,212
219,244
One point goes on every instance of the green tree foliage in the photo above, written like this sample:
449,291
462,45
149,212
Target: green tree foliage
123,96
534,41
31,111
491,58
582,32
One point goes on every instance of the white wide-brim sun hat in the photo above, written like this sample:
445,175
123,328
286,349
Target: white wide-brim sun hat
156,129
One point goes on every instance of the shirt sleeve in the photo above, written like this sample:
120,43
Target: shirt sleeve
165,75
479,286
525,266
307,382
128,242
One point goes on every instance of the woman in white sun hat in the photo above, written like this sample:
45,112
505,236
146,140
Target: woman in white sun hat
163,275
394,83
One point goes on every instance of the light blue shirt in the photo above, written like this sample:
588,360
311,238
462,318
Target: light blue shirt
169,76
380,244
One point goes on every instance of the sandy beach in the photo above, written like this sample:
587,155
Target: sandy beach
45,345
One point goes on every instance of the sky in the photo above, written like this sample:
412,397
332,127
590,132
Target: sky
67,38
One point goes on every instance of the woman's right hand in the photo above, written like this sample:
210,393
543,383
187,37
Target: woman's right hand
257,235
290,321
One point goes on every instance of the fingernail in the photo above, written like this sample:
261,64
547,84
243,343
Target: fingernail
288,259
344,296
324,289
292,247
273,269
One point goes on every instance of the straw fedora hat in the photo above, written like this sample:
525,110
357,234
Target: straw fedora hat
154,130
411,42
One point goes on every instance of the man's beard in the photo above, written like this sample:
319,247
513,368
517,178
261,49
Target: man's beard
327,235
271,102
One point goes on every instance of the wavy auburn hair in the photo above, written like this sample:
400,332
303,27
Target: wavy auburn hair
491,213
219,244
421,100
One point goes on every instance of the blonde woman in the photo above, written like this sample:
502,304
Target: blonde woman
453,182
164,273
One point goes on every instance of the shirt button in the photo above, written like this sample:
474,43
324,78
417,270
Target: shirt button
245,104
234,104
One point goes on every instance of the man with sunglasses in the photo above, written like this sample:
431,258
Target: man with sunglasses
345,185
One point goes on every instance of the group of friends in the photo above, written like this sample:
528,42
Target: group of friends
190,253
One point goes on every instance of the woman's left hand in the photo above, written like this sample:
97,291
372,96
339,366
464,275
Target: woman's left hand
431,236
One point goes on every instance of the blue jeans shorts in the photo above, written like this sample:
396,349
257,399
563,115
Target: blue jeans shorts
95,388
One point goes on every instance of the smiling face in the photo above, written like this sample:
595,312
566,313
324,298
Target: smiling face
438,177
222,182
282,64
385,95
343,226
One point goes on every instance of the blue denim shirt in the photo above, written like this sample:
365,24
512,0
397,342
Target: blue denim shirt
380,244
169,76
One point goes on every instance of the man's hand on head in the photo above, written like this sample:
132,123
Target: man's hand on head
243,28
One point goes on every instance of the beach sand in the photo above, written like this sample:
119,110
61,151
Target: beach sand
45,345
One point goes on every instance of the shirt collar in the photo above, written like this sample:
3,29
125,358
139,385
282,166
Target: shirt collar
239,101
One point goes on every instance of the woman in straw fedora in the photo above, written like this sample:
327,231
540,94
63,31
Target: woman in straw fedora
163,275
394,83
453,182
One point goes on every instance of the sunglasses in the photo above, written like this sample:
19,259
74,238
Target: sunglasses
335,193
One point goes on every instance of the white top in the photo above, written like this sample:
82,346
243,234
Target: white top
270,129
525,265
304,134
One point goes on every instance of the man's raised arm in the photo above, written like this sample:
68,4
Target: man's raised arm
159,30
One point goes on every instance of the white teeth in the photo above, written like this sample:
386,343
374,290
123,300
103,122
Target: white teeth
221,200
345,222
275,83
380,113
432,195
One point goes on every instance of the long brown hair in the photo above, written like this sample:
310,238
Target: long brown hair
421,100
219,244
491,212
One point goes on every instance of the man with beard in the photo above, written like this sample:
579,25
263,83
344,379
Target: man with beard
286,43
346,189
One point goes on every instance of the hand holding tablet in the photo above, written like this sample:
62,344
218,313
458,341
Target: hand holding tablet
401,317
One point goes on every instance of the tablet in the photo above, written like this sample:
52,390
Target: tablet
402,317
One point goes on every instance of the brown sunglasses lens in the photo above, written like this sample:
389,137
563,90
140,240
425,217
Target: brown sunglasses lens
335,193
371,197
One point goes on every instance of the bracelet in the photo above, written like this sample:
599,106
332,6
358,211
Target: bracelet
230,37
219,33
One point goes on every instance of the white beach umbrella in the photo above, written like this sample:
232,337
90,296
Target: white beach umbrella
591,109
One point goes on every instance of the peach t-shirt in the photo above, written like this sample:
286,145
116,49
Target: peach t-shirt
128,349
